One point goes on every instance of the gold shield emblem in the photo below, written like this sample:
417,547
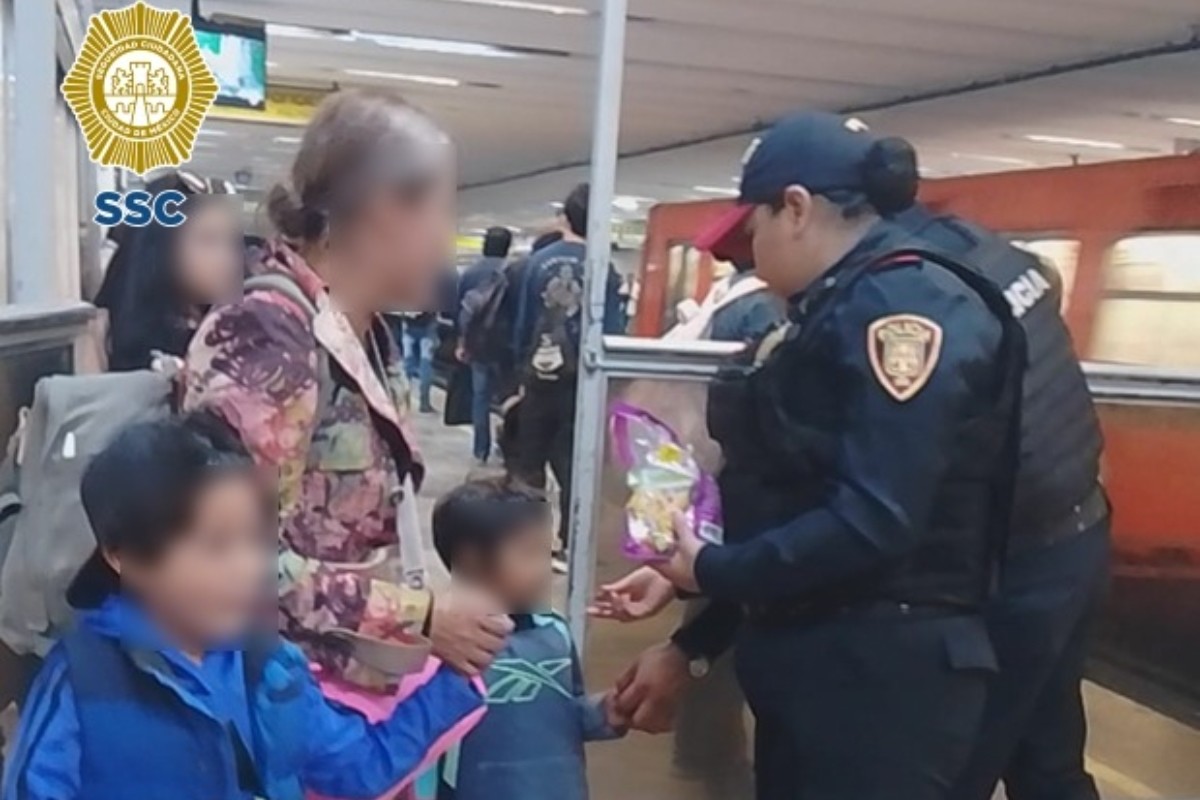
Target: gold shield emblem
140,88
903,350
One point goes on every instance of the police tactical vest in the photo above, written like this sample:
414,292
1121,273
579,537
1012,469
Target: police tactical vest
780,444
1061,440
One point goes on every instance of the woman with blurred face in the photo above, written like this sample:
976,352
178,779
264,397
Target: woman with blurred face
162,280
305,370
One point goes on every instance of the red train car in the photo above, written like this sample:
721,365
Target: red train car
1126,238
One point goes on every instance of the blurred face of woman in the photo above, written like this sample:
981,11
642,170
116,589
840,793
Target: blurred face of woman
399,241
209,253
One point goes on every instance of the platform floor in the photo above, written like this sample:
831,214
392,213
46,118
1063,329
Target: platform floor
1134,752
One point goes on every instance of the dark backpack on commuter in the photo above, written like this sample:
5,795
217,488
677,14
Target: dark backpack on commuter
489,329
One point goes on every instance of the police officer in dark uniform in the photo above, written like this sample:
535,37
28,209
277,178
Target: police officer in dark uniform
1034,729
876,434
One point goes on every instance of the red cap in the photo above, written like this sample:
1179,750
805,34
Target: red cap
726,237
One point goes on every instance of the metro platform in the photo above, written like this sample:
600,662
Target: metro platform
1134,752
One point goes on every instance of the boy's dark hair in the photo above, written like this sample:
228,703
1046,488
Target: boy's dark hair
481,514
497,241
575,209
139,492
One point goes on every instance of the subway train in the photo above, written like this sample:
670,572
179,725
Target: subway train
1125,237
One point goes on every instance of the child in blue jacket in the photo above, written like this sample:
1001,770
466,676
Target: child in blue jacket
496,536
164,691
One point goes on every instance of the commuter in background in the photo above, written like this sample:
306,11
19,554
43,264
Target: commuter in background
479,283
511,373
497,535
548,329
419,340
164,689
161,280
309,375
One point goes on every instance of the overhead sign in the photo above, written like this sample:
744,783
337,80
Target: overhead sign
140,88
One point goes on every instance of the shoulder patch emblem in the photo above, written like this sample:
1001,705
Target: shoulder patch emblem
903,350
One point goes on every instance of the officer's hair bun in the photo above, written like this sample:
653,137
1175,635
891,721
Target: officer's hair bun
890,175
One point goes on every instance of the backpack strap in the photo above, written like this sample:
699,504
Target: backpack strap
285,285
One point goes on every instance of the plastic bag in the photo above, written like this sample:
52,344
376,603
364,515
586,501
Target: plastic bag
663,479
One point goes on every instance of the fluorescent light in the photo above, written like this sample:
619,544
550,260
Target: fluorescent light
725,190
524,5
450,47
212,132
428,80
1195,123
419,44
1009,160
631,202
301,32
1071,141
272,64
287,140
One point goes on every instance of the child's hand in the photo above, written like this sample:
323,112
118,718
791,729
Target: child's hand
612,714
640,595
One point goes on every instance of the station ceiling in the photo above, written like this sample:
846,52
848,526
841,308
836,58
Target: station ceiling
513,80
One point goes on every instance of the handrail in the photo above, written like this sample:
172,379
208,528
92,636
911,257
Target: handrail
1116,382
630,356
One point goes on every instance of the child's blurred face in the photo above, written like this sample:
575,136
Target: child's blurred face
519,572
208,584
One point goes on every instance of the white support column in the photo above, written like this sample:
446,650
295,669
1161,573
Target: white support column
592,391
32,154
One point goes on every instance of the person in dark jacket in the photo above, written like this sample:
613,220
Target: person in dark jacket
165,688
1034,730
868,446
547,332
162,280
475,283
495,535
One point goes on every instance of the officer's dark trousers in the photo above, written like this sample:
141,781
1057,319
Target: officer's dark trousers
1034,730
864,707
546,436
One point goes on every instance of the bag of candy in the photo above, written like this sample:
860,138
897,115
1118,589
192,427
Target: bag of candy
663,479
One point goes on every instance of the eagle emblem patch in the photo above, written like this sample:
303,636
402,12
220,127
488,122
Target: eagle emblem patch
903,350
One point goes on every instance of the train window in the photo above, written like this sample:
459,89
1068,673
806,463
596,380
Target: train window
1062,254
1150,313
683,278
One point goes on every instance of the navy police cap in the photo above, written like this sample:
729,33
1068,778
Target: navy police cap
820,151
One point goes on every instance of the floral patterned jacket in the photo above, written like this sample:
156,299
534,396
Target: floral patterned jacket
304,395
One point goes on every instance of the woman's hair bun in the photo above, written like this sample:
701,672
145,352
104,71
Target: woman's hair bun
291,218
890,176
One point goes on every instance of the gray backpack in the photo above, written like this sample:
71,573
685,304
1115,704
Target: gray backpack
72,418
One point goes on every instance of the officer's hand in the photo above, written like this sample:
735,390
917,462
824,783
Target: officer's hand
640,595
467,629
649,691
681,569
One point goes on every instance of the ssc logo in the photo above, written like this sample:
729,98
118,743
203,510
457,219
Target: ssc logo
138,209
140,88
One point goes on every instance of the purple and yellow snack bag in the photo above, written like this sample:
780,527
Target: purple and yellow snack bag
663,479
